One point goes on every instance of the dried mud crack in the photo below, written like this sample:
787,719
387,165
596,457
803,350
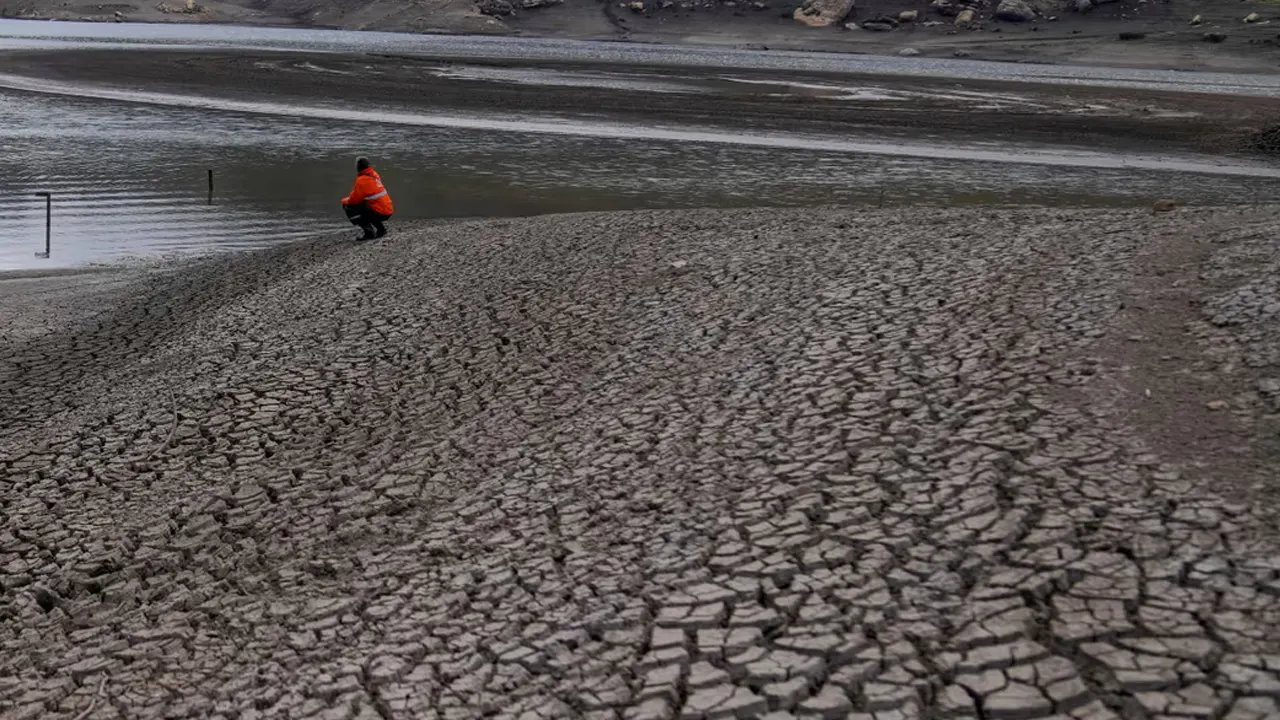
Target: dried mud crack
696,465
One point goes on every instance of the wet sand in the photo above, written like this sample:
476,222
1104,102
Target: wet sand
829,463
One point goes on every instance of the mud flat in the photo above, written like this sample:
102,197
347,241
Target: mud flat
826,463
1114,119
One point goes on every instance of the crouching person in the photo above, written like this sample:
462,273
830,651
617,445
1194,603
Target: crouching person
368,206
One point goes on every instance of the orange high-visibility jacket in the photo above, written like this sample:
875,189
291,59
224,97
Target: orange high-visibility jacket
370,191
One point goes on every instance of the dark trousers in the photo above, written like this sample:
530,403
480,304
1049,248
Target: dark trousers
366,219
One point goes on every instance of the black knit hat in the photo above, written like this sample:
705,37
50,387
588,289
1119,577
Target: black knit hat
362,163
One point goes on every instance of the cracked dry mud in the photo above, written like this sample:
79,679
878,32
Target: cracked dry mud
825,467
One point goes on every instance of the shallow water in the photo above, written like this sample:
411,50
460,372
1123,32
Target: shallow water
130,179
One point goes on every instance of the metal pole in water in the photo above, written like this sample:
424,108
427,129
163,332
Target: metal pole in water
210,186
48,223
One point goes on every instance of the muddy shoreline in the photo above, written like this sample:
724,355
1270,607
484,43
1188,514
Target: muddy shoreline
1096,118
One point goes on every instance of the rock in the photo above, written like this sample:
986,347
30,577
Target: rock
1214,37
945,8
119,16
1084,6
908,52
1196,20
821,13
496,8
45,598
908,16
966,19
1252,18
1216,405
1015,11
961,53
1131,35
880,24
534,4
1164,205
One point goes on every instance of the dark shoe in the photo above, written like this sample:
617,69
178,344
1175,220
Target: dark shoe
382,231
369,233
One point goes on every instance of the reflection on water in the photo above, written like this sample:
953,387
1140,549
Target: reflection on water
130,179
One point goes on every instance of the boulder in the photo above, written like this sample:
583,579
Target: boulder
822,13
1084,6
945,8
1197,20
533,4
1015,11
966,19
1252,18
908,16
1130,35
637,6
1214,37
908,52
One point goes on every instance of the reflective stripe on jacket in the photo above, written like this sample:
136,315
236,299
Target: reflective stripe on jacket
370,191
